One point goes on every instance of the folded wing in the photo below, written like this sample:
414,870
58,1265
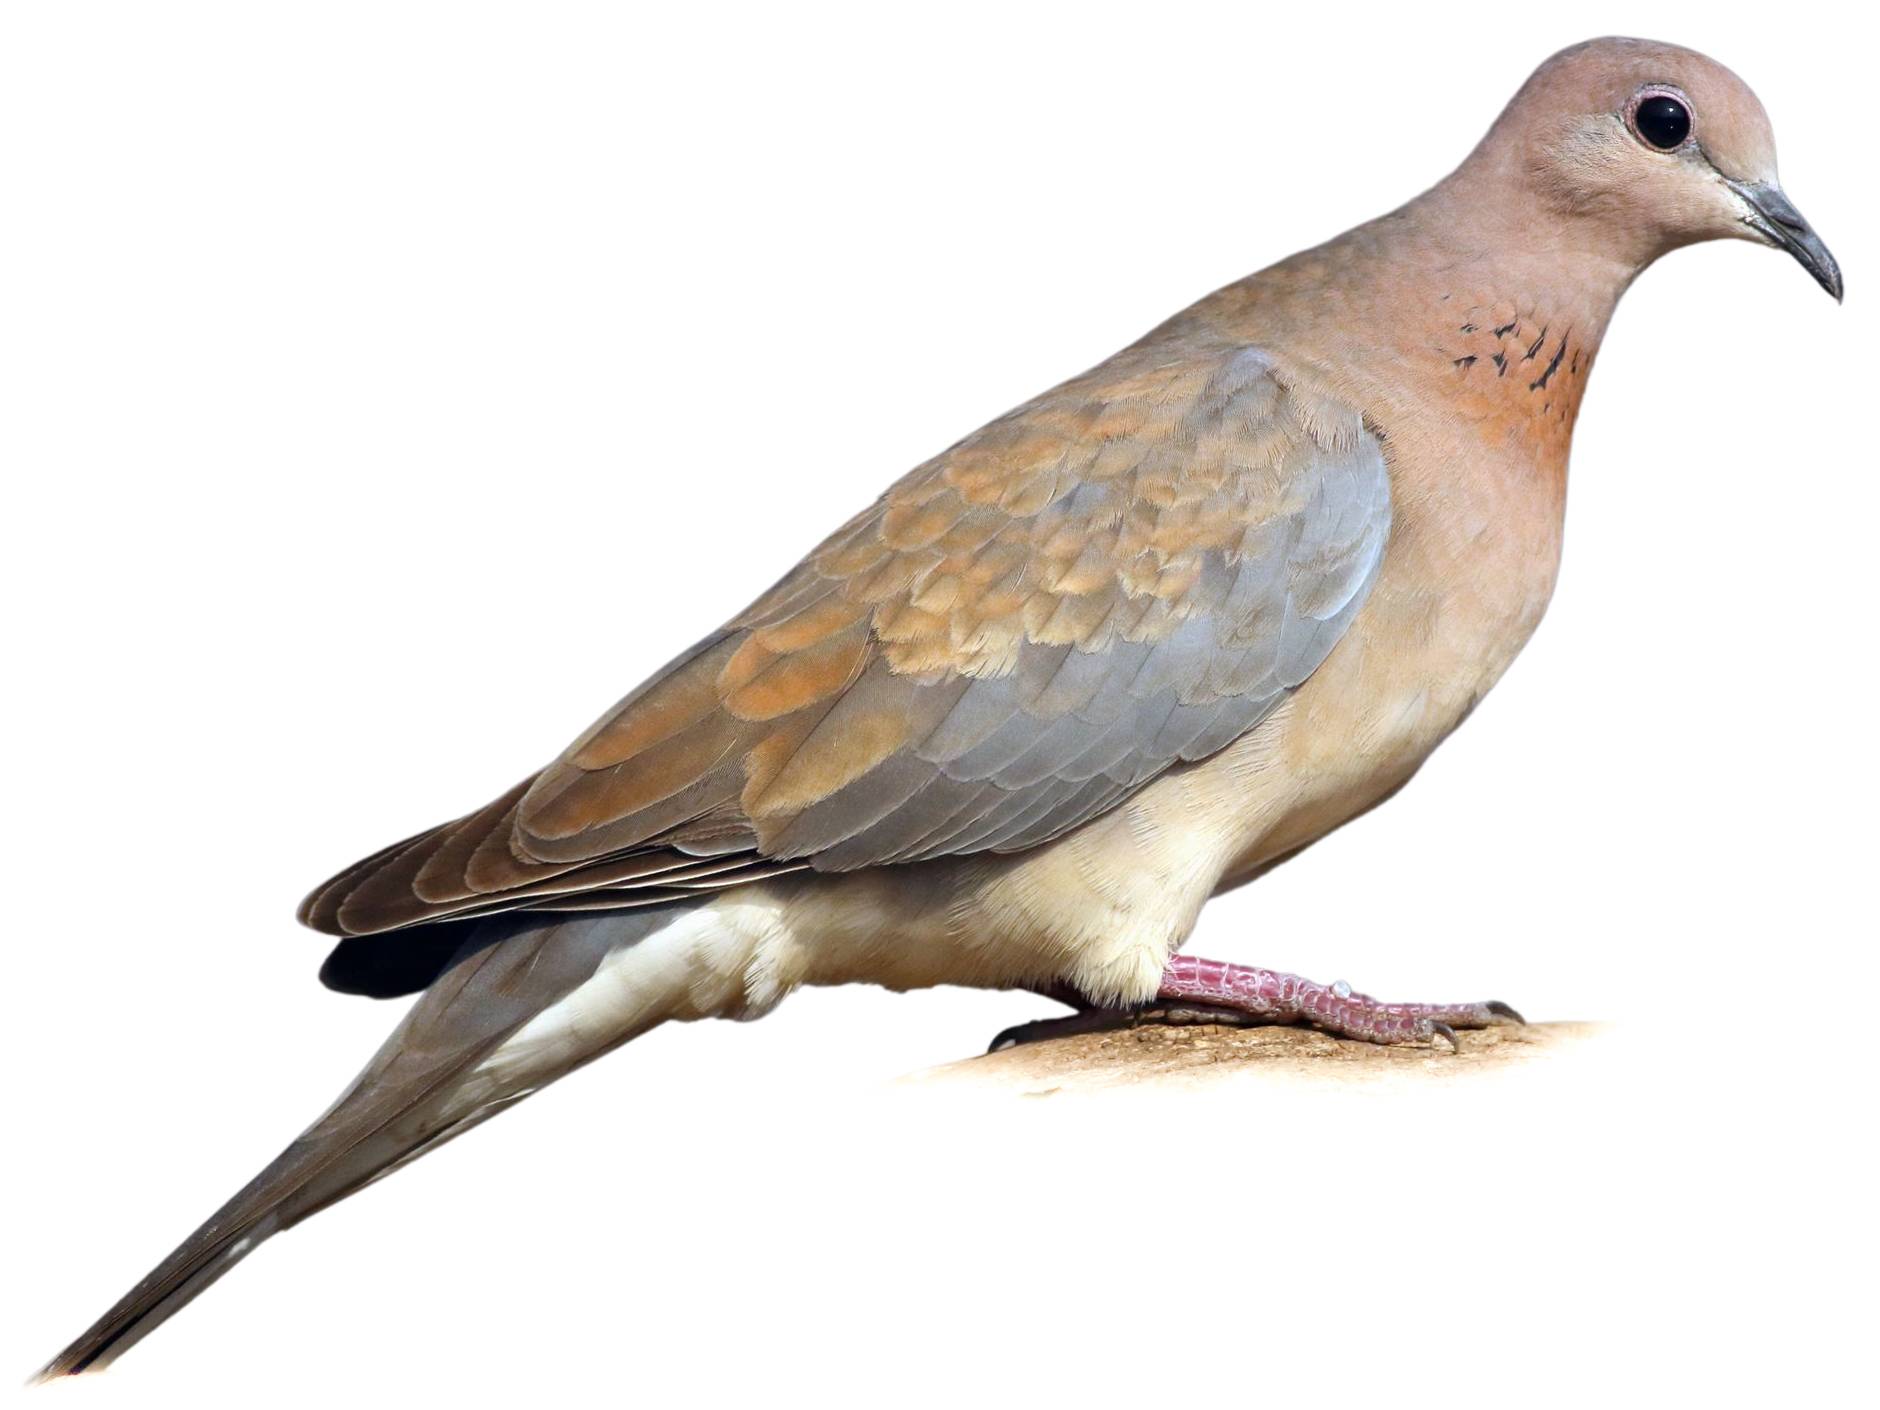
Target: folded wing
1126,573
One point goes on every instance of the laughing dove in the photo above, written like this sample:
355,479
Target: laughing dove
1115,652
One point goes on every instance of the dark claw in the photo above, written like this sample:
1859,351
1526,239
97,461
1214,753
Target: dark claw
1445,1031
1041,1029
1096,1020
1501,1010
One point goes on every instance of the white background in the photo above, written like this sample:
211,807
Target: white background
388,388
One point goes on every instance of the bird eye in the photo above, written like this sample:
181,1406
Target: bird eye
1661,121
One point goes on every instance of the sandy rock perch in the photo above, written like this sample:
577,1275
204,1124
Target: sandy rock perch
1159,1055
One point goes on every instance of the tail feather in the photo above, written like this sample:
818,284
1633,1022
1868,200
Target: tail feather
419,1091
223,1241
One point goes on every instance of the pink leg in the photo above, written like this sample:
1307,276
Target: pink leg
1269,996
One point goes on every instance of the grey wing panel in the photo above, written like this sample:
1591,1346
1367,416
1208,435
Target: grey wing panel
1023,758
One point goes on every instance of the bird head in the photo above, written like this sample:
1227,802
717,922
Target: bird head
1640,148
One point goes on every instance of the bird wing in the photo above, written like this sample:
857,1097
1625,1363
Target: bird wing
1123,574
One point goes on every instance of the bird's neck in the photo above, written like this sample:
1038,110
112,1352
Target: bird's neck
1454,308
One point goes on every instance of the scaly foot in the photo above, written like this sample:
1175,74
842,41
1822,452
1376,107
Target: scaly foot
1209,991
1268,996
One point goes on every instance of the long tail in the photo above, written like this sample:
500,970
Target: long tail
430,1081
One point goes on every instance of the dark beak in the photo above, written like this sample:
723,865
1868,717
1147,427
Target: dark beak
1774,217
